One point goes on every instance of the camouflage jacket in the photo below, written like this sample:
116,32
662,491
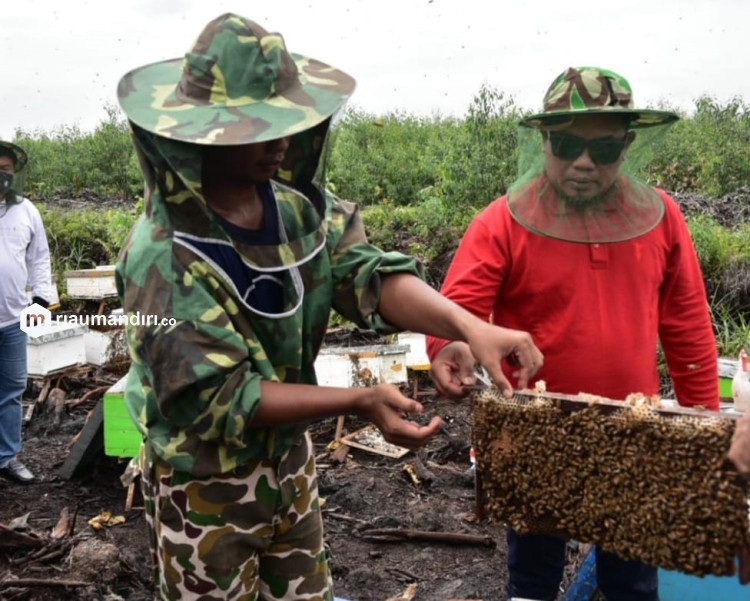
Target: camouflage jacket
194,381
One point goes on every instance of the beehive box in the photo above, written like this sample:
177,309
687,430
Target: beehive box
96,283
647,484
416,355
60,347
104,347
121,438
350,367
727,370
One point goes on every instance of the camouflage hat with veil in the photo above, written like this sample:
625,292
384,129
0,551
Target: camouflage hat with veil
236,85
631,207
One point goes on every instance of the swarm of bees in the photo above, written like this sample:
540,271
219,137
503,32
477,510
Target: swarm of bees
647,485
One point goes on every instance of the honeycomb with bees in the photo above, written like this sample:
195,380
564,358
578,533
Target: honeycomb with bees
645,483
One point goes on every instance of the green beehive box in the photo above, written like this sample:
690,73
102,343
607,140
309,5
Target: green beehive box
727,369
121,438
725,388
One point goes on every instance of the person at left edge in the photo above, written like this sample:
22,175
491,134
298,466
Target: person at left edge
24,261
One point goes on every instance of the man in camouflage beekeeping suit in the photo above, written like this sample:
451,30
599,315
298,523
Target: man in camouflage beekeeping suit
597,265
245,253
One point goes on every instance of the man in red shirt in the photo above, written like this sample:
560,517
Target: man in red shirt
598,267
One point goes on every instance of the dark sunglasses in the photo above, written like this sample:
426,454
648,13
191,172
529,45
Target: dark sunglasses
603,151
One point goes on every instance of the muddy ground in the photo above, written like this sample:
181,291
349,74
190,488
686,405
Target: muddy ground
55,558
49,551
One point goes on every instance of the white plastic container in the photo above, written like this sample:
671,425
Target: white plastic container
60,348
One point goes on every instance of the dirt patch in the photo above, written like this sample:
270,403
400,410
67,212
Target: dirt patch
365,494
731,210
68,200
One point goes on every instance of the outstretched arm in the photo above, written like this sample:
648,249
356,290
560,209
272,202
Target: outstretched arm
409,303
383,405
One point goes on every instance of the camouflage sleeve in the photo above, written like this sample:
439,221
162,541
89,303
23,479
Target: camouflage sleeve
196,372
200,375
357,267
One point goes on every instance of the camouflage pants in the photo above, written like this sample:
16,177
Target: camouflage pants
255,533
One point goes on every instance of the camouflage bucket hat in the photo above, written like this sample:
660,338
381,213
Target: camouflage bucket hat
238,84
16,153
591,90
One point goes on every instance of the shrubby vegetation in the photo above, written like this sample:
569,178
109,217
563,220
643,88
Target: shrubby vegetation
708,152
86,238
73,160
419,182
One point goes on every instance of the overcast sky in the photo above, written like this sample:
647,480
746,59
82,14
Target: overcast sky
62,59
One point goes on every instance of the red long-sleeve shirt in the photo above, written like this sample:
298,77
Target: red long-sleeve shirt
594,310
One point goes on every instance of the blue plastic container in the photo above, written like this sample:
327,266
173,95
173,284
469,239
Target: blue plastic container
676,586
673,586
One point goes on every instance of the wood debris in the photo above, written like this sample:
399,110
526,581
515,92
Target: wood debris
397,535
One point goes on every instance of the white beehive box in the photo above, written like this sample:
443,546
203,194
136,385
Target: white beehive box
61,347
104,347
349,367
416,356
91,283
727,369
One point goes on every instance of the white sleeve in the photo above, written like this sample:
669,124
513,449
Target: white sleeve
37,258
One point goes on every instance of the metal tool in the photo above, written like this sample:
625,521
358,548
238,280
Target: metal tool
484,382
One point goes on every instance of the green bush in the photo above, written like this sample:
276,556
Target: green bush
391,159
708,152
86,238
714,244
426,229
481,162
70,159
732,330
387,159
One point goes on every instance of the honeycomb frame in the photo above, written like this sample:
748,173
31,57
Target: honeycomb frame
648,485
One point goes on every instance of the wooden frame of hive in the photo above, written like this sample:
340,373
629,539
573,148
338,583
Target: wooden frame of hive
647,484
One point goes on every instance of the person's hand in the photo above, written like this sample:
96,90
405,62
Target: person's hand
40,301
453,369
739,451
385,406
739,454
491,344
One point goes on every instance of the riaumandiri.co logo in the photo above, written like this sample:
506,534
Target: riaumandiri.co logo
36,320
